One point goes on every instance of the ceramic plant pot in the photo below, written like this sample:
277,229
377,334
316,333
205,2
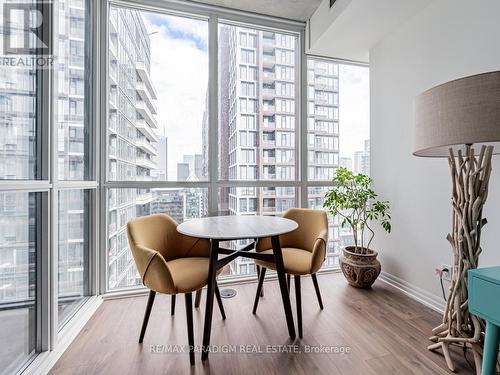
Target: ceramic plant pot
360,270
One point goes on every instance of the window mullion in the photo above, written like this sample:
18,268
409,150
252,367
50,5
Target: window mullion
102,74
213,160
303,121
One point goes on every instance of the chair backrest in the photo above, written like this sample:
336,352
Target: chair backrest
151,232
313,224
159,232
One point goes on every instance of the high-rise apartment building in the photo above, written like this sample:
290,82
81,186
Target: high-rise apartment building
20,146
258,116
362,159
322,118
133,139
18,160
346,162
182,171
258,96
163,158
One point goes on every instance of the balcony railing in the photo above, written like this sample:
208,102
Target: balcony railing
146,146
145,129
269,109
269,60
268,76
144,162
146,114
268,93
146,96
144,74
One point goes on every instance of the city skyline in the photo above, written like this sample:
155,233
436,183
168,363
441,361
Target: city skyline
158,123
184,94
257,80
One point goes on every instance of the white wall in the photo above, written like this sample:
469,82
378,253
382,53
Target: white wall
446,40
351,27
322,18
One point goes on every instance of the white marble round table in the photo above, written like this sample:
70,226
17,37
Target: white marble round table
225,228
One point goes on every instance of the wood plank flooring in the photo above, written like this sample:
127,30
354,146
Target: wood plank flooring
385,332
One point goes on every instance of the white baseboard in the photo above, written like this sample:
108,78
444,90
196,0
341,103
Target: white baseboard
418,294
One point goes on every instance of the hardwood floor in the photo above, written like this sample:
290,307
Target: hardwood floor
384,331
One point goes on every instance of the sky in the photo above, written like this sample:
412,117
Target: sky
179,71
354,108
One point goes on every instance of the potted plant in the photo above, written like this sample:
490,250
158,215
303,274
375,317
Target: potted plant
355,202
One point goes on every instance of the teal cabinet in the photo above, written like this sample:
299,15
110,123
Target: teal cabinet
484,301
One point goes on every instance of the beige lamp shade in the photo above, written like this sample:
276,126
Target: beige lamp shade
456,113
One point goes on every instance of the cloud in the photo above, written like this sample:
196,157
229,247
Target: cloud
179,72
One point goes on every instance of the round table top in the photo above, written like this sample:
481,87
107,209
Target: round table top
237,227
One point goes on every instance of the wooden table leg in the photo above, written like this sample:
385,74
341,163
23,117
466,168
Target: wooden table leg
490,352
285,296
212,273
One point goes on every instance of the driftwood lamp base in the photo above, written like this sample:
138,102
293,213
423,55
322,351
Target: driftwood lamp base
470,176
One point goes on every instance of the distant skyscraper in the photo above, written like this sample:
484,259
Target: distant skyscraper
169,201
189,159
346,163
366,159
358,161
198,166
182,171
362,159
163,158
204,139
191,169
257,101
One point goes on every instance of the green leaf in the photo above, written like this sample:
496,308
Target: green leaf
352,198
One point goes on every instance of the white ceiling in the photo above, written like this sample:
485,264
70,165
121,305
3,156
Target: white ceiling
351,27
299,10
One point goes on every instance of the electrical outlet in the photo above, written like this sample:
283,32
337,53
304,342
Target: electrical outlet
446,269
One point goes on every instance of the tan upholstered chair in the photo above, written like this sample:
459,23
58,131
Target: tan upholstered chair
304,251
170,263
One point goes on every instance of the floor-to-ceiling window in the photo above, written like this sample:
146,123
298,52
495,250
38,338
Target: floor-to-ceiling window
20,250
47,173
338,132
193,113
157,125
75,179
259,106
210,116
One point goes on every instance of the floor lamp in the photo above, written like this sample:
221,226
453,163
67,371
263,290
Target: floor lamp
460,120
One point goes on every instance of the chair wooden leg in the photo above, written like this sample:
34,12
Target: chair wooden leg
219,301
151,299
288,282
197,298
316,287
172,305
189,319
259,289
258,276
298,300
